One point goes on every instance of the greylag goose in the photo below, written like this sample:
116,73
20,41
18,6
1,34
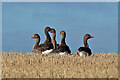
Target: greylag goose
53,38
62,48
47,44
37,48
46,47
85,50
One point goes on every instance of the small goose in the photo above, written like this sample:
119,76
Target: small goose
62,48
44,48
85,51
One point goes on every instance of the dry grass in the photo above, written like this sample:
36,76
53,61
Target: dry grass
29,65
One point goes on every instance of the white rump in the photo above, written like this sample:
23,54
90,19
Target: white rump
62,53
47,51
83,53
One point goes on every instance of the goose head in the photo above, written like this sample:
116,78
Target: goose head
52,30
62,33
88,36
36,36
47,29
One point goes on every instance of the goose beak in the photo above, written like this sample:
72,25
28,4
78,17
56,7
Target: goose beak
58,33
32,37
91,37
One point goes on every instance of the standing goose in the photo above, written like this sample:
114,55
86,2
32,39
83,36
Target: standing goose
62,48
48,39
53,38
85,50
37,48
46,47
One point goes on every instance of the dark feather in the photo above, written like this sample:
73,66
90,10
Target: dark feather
86,49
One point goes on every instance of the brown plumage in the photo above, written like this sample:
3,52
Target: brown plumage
37,47
55,45
47,45
47,42
48,38
62,47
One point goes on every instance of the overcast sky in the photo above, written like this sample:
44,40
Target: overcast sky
21,20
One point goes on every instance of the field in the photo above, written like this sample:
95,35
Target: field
29,65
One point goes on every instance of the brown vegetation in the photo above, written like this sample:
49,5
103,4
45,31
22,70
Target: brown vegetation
29,65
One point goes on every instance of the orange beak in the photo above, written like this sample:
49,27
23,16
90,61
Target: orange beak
91,37
58,33
32,37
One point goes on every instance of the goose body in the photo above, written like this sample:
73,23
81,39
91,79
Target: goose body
61,48
85,51
44,48
47,44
